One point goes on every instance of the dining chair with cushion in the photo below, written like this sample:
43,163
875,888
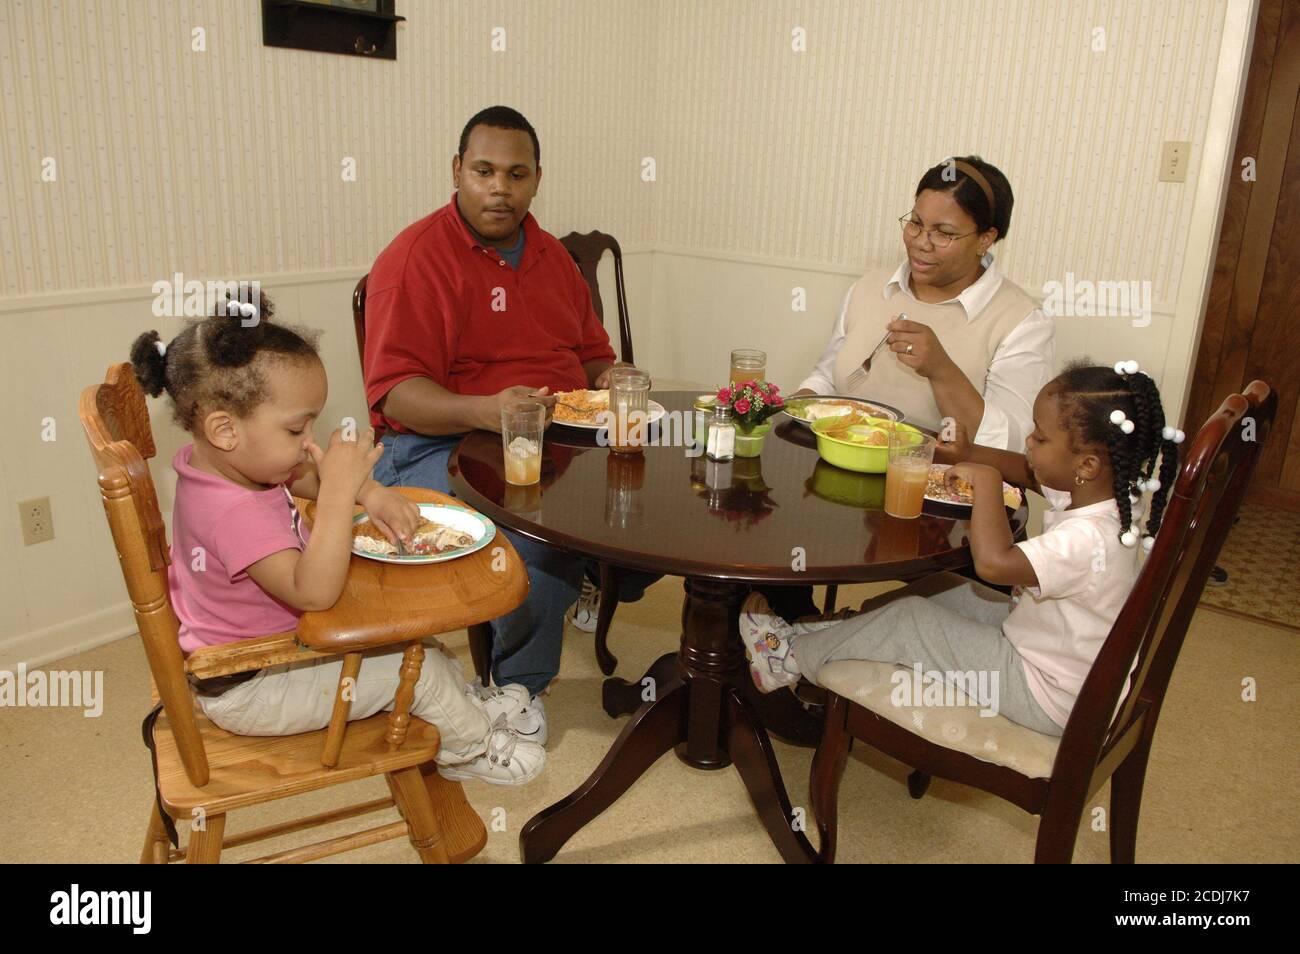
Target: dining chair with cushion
203,772
480,634
1103,740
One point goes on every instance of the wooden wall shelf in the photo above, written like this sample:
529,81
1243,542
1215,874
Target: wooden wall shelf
303,25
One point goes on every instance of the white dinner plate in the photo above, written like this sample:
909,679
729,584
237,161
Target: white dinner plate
482,529
862,405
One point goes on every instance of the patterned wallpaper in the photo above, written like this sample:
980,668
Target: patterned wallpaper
230,160
813,155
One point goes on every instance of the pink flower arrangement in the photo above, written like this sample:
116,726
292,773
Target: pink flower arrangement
751,402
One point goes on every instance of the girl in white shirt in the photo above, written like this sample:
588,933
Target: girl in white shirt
1099,440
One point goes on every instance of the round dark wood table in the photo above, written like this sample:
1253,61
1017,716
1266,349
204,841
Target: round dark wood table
785,517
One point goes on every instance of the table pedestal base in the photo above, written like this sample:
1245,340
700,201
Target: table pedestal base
696,703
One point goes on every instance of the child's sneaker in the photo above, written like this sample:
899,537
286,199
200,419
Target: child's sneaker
768,643
585,613
509,760
524,714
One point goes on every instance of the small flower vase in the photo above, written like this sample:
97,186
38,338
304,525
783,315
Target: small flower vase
749,443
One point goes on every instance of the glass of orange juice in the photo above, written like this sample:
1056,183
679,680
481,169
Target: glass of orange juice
910,455
522,424
747,365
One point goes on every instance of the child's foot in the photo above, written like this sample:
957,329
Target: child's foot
509,759
524,714
768,643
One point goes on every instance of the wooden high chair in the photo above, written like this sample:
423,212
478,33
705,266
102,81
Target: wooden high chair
203,772
1103,741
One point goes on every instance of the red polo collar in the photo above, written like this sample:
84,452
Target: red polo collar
531,229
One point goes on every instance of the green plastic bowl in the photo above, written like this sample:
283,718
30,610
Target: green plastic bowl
862,458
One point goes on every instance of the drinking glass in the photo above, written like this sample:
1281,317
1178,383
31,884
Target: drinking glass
629,405
907,471
522,424
747,365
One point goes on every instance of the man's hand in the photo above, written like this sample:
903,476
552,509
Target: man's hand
395,515
602,379
953,444
519,392
927,356
346,464
803,392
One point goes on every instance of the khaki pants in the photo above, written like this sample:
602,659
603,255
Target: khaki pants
289,699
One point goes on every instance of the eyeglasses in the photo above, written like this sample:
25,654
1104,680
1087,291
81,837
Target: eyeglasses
938,239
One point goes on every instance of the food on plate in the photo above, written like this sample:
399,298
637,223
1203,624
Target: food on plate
815,412
580,407
430,538
858,429
936,488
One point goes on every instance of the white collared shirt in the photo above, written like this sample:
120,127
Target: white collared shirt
1021,365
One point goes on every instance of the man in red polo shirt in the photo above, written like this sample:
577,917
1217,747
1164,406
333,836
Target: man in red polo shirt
469,309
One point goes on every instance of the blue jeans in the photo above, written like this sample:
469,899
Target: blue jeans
525,643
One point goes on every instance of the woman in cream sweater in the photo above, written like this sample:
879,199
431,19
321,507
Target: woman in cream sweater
972,345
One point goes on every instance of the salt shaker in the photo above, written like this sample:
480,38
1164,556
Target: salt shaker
721,443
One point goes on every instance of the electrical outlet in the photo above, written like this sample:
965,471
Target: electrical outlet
1174,157
37,520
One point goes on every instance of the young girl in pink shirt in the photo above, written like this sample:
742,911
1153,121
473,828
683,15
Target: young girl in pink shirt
244,565
1099,441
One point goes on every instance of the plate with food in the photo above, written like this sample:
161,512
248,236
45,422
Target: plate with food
962,495
813,407
446,532
583,409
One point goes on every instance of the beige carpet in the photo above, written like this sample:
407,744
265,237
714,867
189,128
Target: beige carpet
1220,787
1260,554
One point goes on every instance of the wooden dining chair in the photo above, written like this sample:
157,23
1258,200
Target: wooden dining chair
480,634
587,250
1049,776
204,772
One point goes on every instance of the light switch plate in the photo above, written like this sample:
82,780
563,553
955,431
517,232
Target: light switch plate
1174,157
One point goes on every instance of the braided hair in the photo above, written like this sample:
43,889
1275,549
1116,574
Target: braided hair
214,362
1097,406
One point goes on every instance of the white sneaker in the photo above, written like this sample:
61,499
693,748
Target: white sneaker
509,760
524,715
768,643
583,614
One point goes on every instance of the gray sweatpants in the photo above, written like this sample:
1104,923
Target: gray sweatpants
945,623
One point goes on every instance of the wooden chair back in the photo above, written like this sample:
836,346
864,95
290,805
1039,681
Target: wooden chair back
359,319
116,421
587,250
359,326
1150,629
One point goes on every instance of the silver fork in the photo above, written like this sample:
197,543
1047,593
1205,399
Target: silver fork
860,373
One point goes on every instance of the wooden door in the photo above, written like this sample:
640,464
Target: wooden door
1251,327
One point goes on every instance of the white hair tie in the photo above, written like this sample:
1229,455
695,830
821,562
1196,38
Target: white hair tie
1173,434
162,348
1126,367
1119,418
1128,537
